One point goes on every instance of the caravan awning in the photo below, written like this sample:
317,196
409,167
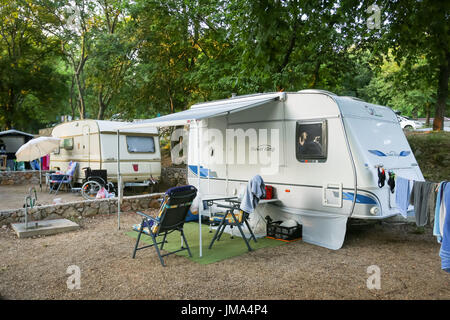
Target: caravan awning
198,112
209,110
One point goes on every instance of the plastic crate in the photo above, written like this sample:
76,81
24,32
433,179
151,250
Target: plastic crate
274,230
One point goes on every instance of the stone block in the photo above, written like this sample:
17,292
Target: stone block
90,211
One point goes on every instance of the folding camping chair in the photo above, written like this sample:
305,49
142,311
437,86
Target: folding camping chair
58,179
171,217
233,220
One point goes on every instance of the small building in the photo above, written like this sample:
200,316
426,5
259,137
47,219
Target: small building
10,142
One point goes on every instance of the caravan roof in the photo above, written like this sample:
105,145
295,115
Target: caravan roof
105,126
216,108
113,126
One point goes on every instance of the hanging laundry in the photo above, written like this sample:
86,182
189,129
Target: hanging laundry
432,203
419,198
402,195
445,247
254,192
439,210
391,181
381,177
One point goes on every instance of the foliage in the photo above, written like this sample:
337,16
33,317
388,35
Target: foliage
416,30
407,90
122,59
431,152
30,85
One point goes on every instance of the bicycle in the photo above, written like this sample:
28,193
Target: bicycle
93,182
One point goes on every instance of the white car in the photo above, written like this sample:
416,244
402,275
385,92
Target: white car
408,124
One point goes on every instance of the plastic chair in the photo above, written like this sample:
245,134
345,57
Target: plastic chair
171,217
59,179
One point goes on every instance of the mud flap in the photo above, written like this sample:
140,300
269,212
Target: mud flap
325,231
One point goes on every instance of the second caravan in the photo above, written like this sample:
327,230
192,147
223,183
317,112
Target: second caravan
93,143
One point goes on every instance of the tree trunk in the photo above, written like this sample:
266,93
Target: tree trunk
171,104
82,106
290,48
101,110
428,112
71,98
442,94
9,110
101,105
315,78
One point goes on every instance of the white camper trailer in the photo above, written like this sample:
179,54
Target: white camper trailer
321,152
93,143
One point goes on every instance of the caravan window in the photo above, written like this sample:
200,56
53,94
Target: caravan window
68,143
140,144
311,140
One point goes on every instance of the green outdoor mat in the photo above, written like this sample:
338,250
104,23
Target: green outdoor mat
221,250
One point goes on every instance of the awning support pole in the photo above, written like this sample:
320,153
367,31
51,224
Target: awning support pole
226,156
119,183
199,192
40,173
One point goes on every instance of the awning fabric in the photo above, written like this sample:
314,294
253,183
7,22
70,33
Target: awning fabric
208,110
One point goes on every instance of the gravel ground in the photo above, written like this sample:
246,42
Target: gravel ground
35,268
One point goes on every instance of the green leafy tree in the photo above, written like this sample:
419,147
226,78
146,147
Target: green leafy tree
413,30
31,88
405,89
113,53
72,24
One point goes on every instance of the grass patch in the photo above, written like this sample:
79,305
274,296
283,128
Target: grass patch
432,151
224,249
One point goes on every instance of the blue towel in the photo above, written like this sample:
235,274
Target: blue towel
256,190
402,195
445,247
437,213
34,164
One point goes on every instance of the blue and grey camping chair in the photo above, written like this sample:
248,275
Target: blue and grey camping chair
171,217
56,180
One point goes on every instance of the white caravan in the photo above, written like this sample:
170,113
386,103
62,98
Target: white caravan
93,143
321,152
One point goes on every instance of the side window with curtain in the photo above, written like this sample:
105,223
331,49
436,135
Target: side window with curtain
311,140
140,144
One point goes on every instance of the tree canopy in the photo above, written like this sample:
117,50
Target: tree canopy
123,59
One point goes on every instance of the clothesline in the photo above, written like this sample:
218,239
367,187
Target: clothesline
430,199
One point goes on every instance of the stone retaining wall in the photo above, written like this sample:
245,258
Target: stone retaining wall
21,177
174,176
79,209
170,176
